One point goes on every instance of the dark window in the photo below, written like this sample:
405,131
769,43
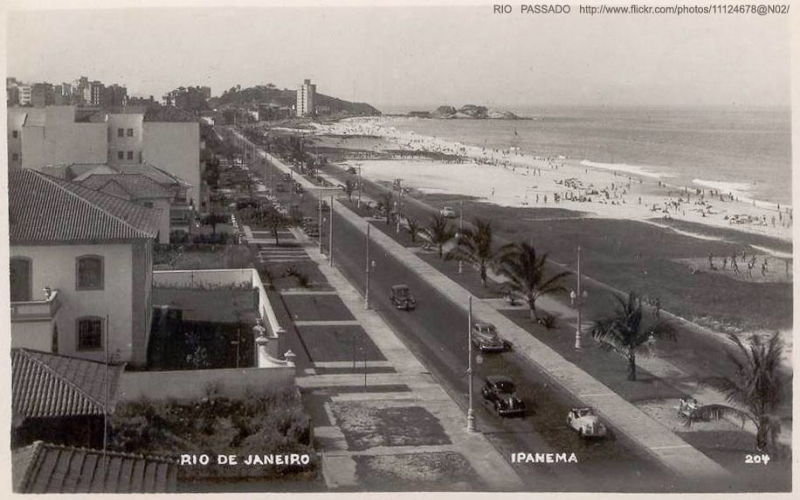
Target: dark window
14,157
90,334
120,155
120,132
21,277
130,132
15,134
130,155
90,273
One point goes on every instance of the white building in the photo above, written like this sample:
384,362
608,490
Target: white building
306,97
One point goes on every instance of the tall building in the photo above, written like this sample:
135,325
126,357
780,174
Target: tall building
96,93
306,95
115,96
25,94
42,95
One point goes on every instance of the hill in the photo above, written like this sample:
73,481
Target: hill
236,97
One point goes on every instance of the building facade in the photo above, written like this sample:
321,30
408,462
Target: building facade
306,97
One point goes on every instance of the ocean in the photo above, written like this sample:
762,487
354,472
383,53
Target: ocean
744,151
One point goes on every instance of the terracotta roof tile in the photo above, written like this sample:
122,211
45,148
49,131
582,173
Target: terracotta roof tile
130,186
47,209
48,468
48,385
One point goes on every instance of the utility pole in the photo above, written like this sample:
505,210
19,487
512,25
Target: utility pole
460,232
471,412
358,205
366,288
330,234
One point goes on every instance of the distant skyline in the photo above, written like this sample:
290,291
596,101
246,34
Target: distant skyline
405,57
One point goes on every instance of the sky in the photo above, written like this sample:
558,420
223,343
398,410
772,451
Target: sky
407,57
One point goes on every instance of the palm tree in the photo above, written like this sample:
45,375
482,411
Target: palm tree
386,200
475,247
525,271
348,187
625,331
413,228
756,390
439,232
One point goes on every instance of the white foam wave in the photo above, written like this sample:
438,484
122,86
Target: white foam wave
631,169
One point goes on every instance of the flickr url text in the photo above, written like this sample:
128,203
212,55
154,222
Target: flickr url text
676,10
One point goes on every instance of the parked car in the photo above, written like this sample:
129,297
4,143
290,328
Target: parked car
448,213
501,392
351,170
287,177
401,298
485,337
298,189
586,422
312,229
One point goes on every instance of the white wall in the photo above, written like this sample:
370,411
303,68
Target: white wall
115,143
175,148
37,335
62,141
55,266
191,385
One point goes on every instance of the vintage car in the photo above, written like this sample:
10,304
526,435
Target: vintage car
448,213
485,338
586,422
287,177
312,229
401,298
501,392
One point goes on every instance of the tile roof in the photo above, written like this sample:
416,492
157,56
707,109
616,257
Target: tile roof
46,209
47,468
155,173
133,186
48,385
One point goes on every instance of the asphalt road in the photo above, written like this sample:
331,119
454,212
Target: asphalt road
437,333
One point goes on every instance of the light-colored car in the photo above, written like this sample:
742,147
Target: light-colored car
448,213
485,337
586,422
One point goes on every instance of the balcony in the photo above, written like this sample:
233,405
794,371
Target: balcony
36,310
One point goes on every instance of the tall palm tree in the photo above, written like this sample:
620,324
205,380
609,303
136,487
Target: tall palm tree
756,390
525,271
413,228
349,186
385,201
439,232
625,331
475,247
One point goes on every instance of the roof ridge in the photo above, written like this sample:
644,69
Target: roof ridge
37,447
53,181
69,383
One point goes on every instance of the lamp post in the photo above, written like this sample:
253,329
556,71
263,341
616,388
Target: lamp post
470,412
330,234
319,209
399,202
358,204
577,299
366,287
460,231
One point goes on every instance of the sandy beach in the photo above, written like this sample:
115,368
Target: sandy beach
514,179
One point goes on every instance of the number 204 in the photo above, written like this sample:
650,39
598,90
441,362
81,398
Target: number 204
756,459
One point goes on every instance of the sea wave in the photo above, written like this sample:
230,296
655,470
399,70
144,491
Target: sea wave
645,171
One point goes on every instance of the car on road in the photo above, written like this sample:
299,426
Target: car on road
448,213
287,177
486,339
501,392
586,422
401,298
312,229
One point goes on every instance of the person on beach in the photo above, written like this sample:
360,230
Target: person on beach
734,266
744,254
764,268
711,260
750,269
724,263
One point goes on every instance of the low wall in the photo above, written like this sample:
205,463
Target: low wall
193,385
203,278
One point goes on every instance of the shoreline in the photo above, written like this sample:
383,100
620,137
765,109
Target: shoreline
603,192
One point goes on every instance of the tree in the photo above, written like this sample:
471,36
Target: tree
385,202
348,187
439,232
413,228
213,219
475,247
756,390
525,271
625,331
273,220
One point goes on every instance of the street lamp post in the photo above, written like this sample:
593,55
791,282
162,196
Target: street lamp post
470,412
577,300
366,288
330,234
358,204
460,232
319,209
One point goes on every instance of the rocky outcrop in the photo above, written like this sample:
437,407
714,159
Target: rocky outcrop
474,112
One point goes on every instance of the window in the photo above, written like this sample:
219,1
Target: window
20,279
14,157
15,134
148,204
120,155
90,333
130,155
89,272
120,132
130,132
